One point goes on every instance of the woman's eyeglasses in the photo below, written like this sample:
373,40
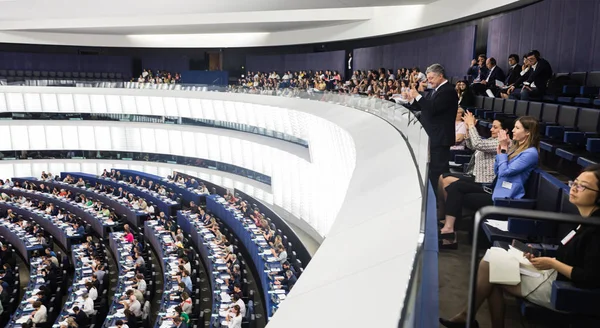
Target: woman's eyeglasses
579,187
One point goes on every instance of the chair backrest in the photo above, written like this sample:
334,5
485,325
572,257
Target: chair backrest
578,77
588,120
535,110
479,101
498,105
509,106
550,113
593,79
567,115
522,108
531,185
549,193
488,103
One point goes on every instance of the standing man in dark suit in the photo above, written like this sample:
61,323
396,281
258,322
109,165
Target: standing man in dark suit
438,113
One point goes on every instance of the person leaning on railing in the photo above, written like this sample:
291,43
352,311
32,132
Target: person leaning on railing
577,260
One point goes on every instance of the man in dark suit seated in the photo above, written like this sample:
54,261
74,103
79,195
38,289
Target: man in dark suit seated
535,86
495,73
81,317
438,112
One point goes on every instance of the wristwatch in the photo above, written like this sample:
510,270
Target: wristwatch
503,151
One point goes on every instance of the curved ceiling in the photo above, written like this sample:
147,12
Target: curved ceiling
229,23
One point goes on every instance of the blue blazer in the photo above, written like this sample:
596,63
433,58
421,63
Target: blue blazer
513,174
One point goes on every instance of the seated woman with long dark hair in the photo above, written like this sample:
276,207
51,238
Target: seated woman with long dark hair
577,260
515,160
481,167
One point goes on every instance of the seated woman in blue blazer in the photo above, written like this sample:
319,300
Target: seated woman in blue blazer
577,260
515,160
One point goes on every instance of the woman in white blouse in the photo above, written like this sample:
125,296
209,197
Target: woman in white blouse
235,317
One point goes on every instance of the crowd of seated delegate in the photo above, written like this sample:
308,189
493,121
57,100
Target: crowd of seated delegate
278,250
101,211
189,183
85,292
231,299
163,191
124,197
577,260
158,77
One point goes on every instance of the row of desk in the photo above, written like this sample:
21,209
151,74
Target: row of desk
164,246
163,203
187,194
83,273
122,252
132,216
23,242
216,269
209,185
62,232
255,245
23,312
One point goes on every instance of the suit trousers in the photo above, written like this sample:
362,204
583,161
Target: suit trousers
439,156
461,189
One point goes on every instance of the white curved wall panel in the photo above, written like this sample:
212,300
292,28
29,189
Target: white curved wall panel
293,178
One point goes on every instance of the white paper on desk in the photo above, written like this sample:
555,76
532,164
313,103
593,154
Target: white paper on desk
22,319
504,268
225,297
498,224
499,84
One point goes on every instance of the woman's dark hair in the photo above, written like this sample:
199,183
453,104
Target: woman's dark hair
595,168
506,124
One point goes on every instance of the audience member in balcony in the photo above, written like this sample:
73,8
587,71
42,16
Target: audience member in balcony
535,86
521,77
460,130
514,70
577,260
482,70
489,83
465,95
515,159
438,113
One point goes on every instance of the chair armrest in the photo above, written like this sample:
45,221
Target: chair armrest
566,297
593,145
573,137
526,204
462,159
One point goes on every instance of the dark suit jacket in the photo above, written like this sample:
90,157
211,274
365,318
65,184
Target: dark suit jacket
438,113
513,75
541,75
82,319
496,74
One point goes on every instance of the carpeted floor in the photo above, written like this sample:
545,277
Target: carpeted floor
454,285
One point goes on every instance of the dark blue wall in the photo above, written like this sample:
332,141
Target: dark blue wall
65,62
173,63
330,60
566,32
205,77
453,49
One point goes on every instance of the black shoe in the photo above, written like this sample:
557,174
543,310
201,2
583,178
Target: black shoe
447,235
450,324
448,244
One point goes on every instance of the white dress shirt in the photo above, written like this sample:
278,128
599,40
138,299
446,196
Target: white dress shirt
41,315
487,79
88,306
93,293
